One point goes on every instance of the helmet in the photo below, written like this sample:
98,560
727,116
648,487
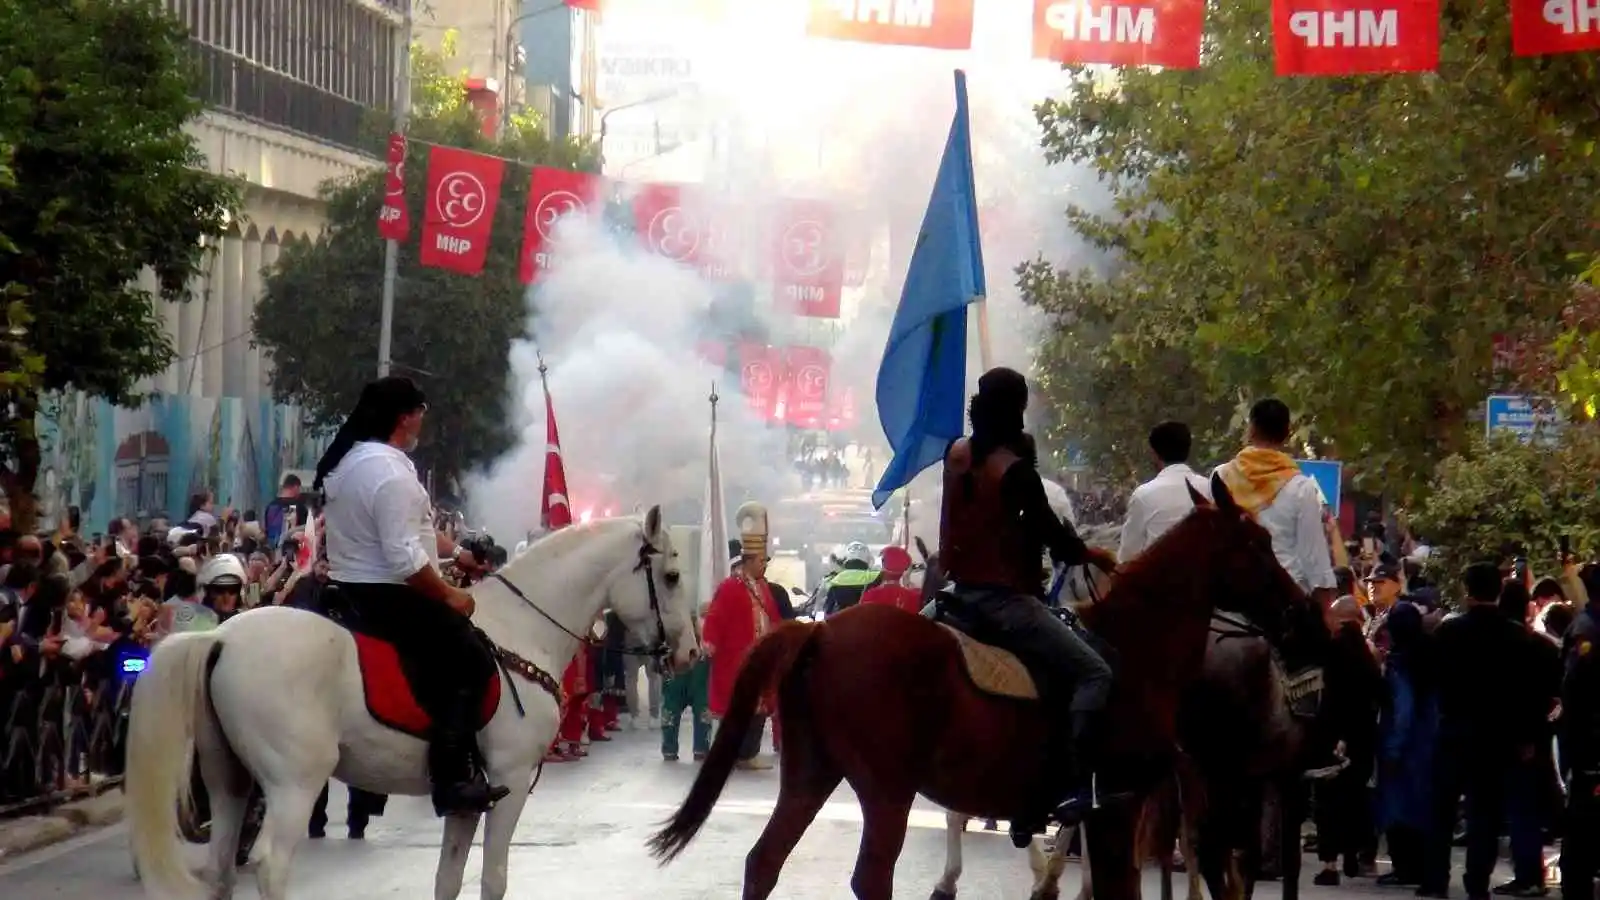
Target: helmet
219,571
857,552
896,561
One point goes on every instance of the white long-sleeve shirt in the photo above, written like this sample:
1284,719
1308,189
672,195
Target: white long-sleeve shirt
1299,540
378,521
1157,505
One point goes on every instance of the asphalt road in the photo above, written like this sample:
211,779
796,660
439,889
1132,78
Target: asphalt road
582,836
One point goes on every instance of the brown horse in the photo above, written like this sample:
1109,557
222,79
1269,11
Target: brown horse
881,699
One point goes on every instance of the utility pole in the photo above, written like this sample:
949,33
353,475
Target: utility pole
391,249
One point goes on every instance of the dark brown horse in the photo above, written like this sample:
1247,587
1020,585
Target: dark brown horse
881,699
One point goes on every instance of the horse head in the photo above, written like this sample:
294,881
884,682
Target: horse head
656,607
1246,576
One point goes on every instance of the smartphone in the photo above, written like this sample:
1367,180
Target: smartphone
74,518
1566,548
1519,568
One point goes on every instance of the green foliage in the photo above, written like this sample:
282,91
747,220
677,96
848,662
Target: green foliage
104,182
1501,498
1351,245
320,314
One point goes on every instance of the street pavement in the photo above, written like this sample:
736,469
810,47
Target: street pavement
582,836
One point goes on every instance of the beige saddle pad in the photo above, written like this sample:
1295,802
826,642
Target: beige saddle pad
995,671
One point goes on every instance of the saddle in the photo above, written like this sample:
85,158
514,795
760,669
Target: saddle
387,678
992,669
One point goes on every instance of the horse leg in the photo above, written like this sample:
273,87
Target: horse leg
288,811
497,834
806,781
1085,890
955,825
1114,865
227,785
883,834
1047,876
453,849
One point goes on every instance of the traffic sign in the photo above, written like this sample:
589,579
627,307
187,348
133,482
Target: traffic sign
1329,476
1529,418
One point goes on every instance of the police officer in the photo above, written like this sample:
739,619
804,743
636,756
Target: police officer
1580,755
994,527
381,562
855,575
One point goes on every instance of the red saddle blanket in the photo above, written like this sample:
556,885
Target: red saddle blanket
388,691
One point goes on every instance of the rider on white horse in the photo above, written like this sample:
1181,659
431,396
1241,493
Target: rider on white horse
381,548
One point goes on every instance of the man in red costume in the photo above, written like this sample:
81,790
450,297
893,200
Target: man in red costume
741,613
568,745
890,589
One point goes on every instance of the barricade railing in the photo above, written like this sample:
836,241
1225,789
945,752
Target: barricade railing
62,726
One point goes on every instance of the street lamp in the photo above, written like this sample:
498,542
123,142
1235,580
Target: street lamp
644,101
511,54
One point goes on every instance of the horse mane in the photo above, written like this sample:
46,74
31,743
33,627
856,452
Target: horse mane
1144,586
558,543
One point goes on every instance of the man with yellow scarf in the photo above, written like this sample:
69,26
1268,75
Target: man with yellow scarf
1266,481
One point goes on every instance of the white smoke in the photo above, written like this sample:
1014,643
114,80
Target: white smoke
784,116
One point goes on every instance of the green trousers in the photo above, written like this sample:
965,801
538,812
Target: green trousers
689,691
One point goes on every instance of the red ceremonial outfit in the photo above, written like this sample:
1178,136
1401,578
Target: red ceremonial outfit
894,594
741,612
575,684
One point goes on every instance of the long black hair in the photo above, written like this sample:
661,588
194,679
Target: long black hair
996,416
382,404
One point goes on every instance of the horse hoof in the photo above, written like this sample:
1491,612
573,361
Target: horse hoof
942,894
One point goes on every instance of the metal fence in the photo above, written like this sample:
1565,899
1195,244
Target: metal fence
64,727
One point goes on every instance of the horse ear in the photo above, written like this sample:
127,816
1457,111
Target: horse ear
652,524
1221,496
1195,497
922,548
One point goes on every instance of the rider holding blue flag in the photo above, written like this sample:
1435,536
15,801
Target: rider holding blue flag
381,548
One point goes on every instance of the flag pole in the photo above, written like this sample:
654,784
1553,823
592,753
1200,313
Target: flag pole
391,248
985,353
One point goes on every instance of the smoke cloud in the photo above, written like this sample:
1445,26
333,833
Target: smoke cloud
774,116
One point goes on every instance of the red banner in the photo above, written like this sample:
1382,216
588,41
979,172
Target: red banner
941,24
1540,27
806,372
1355,37
807,260
1131,33
857,249
841,409
760,376
463,189
394,220
553,194
665,226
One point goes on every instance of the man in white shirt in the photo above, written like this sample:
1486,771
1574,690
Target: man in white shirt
381,564
1164,500
1266,481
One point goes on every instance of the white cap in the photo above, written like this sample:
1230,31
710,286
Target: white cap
177,534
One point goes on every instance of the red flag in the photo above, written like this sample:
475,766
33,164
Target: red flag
307,554
759,376
1355,37
556,511
941,24
1129,33
1540,27
665,226
806,370
807,260
552,195
463,189
394,220
841,409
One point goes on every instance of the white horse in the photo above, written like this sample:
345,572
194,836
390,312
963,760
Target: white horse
276,696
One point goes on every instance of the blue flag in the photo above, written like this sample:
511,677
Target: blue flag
922,383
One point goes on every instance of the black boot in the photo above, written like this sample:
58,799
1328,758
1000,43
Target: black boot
459,783
1086,794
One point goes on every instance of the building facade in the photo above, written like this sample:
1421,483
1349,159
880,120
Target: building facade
289,86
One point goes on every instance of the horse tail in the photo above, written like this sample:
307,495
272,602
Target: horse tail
168,700
768,666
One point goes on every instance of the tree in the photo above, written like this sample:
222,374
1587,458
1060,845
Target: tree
1352,245
319,316
104,182
1502,498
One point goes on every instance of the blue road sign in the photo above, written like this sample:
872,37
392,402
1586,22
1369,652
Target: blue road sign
1527,417
1328,474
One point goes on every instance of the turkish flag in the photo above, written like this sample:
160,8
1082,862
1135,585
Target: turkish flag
1540,27
1355,37
1140,33
806,372
556,509
940,24
554,194
463,189
760,374
666,226
394,220
807,259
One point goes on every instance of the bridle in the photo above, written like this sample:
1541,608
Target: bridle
659,650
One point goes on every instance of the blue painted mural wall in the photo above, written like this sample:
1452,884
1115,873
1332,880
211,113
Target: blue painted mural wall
147,462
